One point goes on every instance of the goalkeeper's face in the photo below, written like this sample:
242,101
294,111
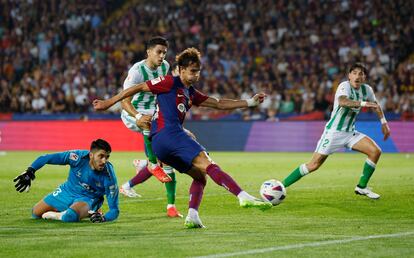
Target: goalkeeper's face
98,159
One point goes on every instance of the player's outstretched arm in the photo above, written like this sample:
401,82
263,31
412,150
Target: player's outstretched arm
229,104
105,104
24,180
344,101
384,124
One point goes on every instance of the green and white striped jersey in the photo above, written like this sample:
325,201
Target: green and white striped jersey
343,118
143,102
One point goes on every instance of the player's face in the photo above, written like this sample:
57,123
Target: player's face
98,159
156,55
190,74
356,77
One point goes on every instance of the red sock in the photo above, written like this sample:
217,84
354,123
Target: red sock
223,179
196,193
141,177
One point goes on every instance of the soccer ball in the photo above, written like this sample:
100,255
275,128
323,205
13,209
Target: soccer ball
273,191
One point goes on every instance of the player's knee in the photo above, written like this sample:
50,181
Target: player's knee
36,214
377,152
70,216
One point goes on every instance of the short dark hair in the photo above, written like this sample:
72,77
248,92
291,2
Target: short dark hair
100,144
156,41
358,65
188,56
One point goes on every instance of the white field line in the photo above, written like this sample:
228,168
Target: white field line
312,244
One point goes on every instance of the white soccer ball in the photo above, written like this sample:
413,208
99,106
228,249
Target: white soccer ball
273,191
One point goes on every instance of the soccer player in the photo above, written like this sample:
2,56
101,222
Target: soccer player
91,176
340,130
137,114
175,96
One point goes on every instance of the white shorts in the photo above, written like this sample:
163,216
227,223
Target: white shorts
130,122
331,141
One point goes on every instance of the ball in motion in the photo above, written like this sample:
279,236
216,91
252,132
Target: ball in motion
273,191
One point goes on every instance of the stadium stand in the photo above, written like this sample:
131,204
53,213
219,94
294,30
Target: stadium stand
296,51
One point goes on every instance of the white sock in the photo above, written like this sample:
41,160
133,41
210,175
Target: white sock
126,186
193,213
170,205
142,163
244,195
168,169
303,170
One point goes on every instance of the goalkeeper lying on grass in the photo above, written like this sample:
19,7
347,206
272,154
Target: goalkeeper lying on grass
91,177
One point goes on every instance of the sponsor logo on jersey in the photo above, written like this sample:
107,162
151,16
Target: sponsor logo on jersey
73,156
157,80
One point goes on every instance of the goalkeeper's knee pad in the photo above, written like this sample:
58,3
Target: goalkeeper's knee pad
70,216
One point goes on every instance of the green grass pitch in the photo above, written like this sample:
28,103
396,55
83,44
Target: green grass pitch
321,216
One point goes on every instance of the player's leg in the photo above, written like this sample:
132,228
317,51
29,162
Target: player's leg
77,211
196,194
316,161
40,208
367,146
155,169
53,204
203,162
171,187
142,174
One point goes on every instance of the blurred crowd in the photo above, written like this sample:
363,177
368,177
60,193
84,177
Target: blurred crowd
57,56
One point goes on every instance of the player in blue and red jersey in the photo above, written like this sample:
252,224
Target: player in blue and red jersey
175,96
91,177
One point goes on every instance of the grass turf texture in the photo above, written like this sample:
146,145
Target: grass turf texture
318,209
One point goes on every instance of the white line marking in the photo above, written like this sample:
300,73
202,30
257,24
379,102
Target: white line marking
312,244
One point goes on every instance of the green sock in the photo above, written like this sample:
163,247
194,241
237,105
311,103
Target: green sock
369,168
296,174
148,147
170,187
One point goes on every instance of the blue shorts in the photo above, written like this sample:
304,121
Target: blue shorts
176,148
61,199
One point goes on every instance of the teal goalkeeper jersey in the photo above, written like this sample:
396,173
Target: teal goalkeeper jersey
343,118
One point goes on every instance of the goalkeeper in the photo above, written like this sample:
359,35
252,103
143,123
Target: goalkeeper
91,176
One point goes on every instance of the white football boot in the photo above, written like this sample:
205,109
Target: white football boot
128,191
367,192
52,215
193,220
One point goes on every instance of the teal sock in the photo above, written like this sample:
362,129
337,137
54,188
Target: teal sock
369,168
296,174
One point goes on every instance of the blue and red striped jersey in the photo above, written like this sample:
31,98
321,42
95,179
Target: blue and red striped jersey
174,99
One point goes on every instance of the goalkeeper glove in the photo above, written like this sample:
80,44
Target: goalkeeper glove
97,217
24,180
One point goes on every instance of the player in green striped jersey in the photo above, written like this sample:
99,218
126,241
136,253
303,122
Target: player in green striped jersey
137,114
340,130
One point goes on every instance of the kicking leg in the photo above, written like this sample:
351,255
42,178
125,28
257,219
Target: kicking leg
206,165
367,146
316,161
